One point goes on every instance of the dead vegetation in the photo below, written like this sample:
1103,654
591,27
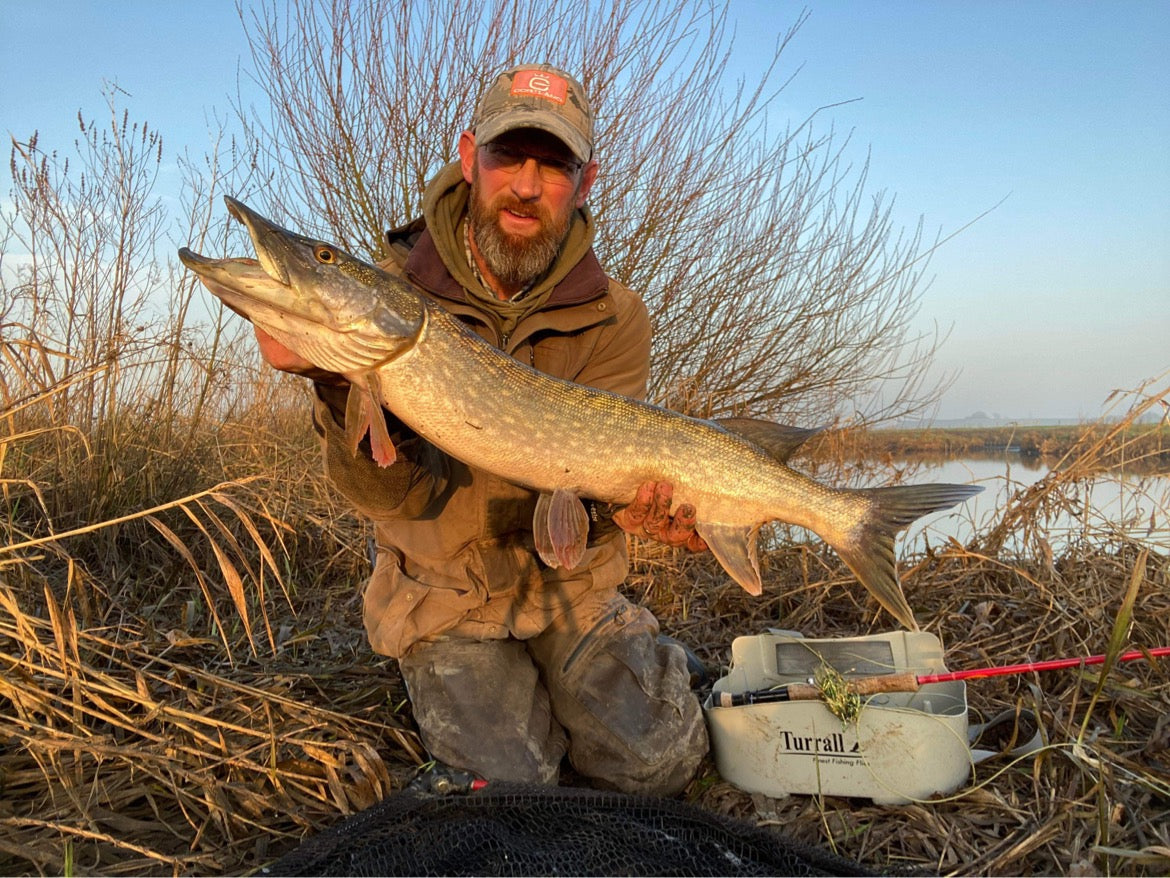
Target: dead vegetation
187,688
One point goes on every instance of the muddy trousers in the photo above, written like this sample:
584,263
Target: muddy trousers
599,686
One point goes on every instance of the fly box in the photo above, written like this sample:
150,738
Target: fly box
899,747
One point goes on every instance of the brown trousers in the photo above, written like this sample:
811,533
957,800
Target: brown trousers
597,685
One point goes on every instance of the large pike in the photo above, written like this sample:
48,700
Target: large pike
566,441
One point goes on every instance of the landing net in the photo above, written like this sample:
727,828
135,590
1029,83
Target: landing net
520,829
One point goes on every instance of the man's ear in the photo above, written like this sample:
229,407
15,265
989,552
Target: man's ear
467,154
588,175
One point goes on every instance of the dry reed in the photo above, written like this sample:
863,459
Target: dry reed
185,686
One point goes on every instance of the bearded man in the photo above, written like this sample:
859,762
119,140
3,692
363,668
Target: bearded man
511,665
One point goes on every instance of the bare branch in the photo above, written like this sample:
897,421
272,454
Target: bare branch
777,282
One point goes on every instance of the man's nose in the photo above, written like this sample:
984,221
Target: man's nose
526,183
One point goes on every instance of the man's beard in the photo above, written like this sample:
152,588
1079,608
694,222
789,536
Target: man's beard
514,260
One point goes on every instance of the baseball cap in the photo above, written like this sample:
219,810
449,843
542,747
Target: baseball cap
537,96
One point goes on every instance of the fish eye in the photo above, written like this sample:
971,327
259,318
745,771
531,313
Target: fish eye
325,254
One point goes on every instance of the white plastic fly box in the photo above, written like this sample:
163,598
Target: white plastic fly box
892,747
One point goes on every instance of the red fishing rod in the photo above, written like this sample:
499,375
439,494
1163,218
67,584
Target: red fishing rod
911,682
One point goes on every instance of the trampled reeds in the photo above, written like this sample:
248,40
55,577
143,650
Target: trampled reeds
185,685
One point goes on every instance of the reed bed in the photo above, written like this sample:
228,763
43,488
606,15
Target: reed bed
185,686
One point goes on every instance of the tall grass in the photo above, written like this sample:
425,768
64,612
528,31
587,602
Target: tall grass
167,543
122,414
184,681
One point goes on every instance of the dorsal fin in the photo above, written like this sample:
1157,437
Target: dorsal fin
779,440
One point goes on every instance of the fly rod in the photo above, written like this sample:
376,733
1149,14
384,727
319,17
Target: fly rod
910,682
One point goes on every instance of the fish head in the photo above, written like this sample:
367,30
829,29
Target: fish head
332,308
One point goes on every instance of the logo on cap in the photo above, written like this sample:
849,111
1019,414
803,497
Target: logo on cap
540,84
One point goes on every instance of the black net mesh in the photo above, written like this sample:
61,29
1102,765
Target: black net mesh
519,829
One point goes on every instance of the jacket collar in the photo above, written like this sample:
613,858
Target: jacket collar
426,267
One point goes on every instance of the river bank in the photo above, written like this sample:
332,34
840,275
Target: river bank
1146,442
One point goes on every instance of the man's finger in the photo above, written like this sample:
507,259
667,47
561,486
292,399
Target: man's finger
648,515
658,519
681,527
631,517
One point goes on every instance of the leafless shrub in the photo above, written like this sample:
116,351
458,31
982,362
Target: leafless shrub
778,286
117,404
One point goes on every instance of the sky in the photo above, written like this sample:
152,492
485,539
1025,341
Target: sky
1053,116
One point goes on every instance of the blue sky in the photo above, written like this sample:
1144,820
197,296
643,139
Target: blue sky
1061,110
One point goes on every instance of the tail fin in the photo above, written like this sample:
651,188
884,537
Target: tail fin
870,551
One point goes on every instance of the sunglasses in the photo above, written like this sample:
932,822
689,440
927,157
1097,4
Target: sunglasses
551,169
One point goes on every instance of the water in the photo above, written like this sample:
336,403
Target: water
1098,510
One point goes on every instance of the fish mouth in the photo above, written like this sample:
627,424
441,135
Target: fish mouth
223,271
244,283
275,249
230,272
282,292
238,283
272,243
264,282
263,290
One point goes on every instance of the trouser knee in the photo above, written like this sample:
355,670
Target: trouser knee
625,700
480,707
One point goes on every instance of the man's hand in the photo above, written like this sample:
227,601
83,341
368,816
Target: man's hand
280,357
649,516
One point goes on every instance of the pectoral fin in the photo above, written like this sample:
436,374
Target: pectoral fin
734,546
363,414
560,526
